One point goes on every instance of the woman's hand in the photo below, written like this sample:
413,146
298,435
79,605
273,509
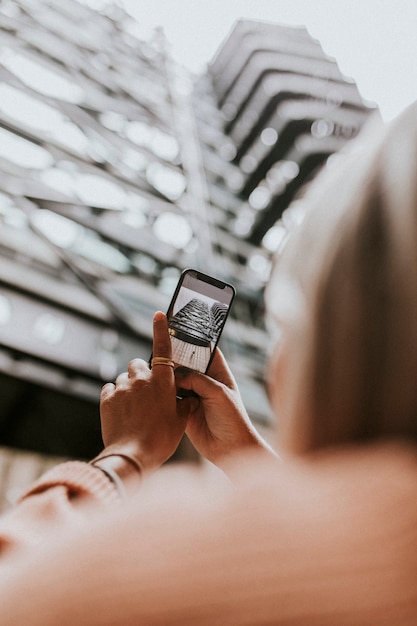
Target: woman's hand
218,425
139,412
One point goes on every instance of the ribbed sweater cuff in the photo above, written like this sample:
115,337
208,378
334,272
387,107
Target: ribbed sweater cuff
80,479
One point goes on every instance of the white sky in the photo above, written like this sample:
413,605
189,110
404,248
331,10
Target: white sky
373,41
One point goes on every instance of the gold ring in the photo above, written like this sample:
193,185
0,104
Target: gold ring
162,360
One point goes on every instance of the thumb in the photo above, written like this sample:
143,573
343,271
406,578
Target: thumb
202,385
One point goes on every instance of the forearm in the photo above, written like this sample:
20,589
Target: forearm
62,498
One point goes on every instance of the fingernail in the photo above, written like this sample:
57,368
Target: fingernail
158,315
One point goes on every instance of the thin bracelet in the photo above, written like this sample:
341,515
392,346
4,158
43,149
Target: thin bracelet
131,459
115,479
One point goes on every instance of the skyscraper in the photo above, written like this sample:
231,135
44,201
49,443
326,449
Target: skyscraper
117,170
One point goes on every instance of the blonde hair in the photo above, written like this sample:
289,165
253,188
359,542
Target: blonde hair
352,268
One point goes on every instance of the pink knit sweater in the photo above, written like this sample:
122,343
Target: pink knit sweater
330,541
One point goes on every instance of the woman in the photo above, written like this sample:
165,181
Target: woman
329,536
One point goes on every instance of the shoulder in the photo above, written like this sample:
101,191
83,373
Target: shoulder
314,542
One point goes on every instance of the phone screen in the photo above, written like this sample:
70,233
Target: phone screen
196,317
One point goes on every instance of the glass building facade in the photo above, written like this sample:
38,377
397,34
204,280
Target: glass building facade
118,169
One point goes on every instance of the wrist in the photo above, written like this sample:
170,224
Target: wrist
249,442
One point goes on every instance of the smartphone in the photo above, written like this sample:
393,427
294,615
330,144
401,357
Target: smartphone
196,317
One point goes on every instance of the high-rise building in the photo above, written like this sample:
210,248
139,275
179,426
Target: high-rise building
118,169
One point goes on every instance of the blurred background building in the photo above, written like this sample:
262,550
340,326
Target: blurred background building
118,169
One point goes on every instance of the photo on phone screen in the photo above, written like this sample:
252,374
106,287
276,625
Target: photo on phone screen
196,317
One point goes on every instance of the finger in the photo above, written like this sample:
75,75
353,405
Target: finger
122,380
136,367
162,349
202,385
161,340
107,390
219,370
